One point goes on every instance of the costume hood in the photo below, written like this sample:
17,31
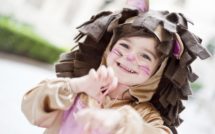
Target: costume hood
176,43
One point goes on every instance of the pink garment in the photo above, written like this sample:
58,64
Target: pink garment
69,125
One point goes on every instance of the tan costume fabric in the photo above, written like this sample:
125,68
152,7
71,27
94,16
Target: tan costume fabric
44,105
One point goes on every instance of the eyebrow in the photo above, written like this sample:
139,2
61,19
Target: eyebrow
149,51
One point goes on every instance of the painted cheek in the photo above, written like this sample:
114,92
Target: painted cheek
115,50
112,56
115,53
144,70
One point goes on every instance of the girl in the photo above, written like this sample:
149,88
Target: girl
141,64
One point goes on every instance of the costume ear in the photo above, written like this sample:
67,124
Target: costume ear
141,5
178,46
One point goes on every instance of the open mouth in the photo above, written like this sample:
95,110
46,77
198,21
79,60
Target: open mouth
126,69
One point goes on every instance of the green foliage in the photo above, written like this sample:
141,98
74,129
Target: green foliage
211,46
20,39
196,86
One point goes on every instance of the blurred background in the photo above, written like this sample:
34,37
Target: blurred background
33,33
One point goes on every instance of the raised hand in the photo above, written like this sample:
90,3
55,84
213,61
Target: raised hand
98,83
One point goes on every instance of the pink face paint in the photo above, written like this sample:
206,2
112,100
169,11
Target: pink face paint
116,51
145,69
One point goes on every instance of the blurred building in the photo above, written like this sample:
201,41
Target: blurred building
56,19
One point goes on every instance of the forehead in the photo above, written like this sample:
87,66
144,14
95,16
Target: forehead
140,41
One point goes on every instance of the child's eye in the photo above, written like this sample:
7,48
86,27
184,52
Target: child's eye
124,45
145,56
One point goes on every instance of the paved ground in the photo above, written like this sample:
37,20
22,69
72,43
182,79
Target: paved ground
18,74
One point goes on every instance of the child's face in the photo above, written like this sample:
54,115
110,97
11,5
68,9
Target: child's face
133,59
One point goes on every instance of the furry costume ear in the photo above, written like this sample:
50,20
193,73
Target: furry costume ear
140,5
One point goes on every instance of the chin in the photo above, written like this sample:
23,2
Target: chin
128,82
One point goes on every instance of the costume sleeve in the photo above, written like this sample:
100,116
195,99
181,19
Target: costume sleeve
142,119
46,101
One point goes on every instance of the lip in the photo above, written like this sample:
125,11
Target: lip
125,68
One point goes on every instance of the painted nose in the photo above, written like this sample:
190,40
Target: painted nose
130,57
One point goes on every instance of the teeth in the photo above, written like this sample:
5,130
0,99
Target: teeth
129,70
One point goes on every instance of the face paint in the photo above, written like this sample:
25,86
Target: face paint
116,52
127,61
144,69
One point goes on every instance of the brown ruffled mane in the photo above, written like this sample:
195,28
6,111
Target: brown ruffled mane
174,85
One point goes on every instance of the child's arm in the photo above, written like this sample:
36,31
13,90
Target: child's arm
46,101
142,119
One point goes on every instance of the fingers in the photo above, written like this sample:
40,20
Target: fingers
112,81
102,73
95,85
109,81
93,74
101,82
112,86
110,72
106,76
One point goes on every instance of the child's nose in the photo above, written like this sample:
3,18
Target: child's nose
131,57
